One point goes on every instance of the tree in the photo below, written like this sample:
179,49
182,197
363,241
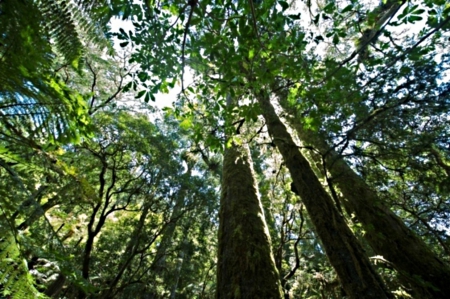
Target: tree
267,60
35,36
135,203
345,254
246,267
410,255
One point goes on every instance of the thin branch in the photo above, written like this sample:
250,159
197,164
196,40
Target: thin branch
93,85
193,4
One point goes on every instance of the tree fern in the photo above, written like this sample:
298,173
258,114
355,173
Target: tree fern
34,35
66,20
15,280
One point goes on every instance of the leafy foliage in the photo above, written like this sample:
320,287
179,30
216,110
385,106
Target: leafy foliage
33,98
108,198
15,280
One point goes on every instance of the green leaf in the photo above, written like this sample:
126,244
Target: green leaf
318,39
294,17
251,54
140,94
418,11
335,39
329,8
347,8
143,76
284,5
186,123
24,71
412,19
147,97
316,19
123,32
237,140
195,21
127,87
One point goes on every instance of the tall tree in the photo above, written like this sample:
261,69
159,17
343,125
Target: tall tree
355,272
410,255
246,266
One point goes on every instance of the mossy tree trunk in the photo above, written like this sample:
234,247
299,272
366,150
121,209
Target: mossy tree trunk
386,233
346,255
246,267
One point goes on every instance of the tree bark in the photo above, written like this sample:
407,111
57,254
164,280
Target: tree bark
56,286
246,267
346,255
386,233
177,272
130,252
159,263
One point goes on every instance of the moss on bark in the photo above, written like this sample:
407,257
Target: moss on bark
346,255
386,233
246,267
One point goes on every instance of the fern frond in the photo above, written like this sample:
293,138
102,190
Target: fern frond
67,20
59,115
33,102
15,280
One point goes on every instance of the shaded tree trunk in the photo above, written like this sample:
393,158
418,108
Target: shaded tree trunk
159,263
386,233
177,272
56,286
130,252
246,267
346,255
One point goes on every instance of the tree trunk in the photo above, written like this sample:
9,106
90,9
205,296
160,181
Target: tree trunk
56,286
346,255
129,254
159,266
246,267
159,263
177,272
384,231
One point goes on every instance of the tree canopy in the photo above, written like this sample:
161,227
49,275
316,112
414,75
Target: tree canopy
306,154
